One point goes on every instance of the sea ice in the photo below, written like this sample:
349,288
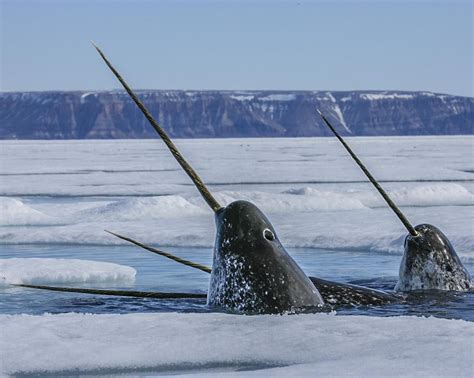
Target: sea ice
309,345
38,271
15,212
309,188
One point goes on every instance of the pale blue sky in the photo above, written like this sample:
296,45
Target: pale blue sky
337,45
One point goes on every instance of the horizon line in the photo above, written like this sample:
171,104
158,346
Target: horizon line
5,91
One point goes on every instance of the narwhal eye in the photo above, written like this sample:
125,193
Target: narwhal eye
268,234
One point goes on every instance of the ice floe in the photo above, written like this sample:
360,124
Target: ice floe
62,271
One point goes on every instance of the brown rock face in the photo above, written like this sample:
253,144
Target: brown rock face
209,114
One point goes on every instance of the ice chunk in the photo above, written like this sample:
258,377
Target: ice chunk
62,271
15,212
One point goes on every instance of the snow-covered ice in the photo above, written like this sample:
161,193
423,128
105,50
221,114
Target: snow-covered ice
15,212
310,345
37,271
142,208
314,194
68,192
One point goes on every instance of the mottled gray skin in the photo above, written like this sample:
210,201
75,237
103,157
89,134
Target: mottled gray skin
339,294
430,262
251,271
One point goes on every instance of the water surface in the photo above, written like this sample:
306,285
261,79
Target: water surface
155,273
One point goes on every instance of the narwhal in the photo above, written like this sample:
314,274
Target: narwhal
429,260
251,270
250,265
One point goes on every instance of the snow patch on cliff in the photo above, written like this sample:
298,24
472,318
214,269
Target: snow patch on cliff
278,97
242,98
385,96
337,110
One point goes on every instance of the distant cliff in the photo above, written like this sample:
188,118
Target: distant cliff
189,114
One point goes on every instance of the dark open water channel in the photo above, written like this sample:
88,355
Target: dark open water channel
155,273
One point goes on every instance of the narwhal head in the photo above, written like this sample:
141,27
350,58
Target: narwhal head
251,270
429,260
